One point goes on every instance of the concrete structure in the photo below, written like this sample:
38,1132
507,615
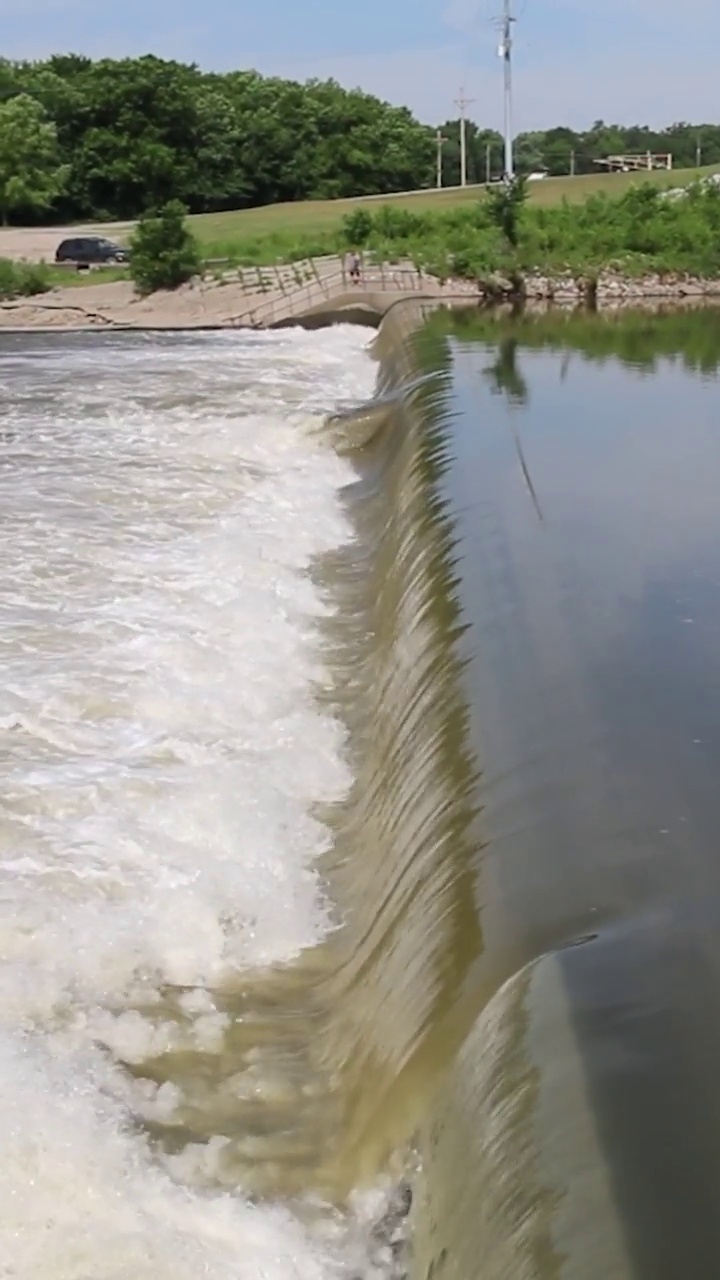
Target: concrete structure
316,291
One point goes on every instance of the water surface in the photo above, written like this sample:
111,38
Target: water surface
162,500
358,803
578,1133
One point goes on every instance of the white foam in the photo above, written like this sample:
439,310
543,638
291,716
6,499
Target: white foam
162,500
81,1198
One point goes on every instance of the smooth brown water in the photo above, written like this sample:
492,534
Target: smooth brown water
578,1132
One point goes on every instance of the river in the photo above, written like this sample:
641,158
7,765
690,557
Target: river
163,752
577,1134
358,807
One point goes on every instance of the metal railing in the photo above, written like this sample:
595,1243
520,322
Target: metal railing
306,284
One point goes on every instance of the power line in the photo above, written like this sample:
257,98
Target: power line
463,103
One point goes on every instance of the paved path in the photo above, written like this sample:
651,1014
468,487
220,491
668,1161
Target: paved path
37,243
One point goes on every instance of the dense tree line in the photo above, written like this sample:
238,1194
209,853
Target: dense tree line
563,151
137,132
113,138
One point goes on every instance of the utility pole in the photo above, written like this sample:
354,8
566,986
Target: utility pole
463,103
488,163
505,52
572,164
439,138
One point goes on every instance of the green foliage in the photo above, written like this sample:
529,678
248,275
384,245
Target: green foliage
561,151
31,175
133,133
357,227
395,223
504,207
137,132
22,279
642,231
164,254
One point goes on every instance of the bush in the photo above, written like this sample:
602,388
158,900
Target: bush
504,206
357,227
641,231
22,279
164,254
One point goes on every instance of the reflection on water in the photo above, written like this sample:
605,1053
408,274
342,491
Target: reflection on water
578,1131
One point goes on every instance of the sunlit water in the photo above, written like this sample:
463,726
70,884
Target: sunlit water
163,751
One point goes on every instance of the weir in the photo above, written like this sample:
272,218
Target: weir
510,1017
360,1028
508,1027
312,1076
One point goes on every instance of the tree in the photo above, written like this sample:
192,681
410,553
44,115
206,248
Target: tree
131,134
559,151
358,227
484,153
164,254
31,176
134,133
504,206
529,152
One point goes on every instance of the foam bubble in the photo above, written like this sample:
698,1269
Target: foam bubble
81,1198
163,751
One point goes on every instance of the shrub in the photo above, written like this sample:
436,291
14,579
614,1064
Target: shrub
395,223
164,254
504,205
357,227
22,279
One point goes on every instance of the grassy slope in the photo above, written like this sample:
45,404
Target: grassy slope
64,278
312,217
225,234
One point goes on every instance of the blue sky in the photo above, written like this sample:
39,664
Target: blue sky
576,61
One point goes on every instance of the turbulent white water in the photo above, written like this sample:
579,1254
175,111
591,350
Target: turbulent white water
161,499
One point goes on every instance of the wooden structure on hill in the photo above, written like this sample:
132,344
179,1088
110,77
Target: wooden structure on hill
636,163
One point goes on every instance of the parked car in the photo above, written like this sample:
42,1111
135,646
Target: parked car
88,250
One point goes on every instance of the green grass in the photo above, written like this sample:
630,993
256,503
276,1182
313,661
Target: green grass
66,278
310,218
571,240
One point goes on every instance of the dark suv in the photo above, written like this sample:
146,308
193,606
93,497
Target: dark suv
87,250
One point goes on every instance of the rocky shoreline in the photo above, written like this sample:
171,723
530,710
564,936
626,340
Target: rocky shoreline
607,287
